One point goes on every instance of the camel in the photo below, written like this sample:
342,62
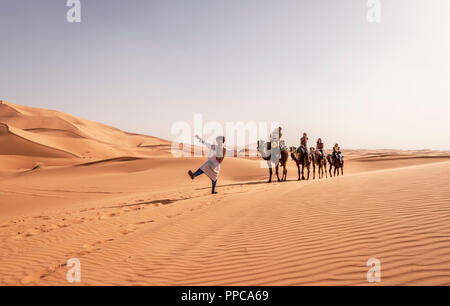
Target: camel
301,158
319,161
337,163
265,151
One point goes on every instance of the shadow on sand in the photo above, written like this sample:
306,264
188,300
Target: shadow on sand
249,183
163,202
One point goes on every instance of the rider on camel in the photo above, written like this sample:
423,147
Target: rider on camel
337,151
304,143
319,147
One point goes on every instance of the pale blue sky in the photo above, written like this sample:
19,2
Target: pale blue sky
315,66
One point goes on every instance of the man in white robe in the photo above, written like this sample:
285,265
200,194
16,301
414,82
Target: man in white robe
216,156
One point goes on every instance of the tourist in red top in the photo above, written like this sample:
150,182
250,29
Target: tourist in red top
319,146
304,143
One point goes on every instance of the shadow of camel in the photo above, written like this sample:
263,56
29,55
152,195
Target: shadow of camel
248,183
163,202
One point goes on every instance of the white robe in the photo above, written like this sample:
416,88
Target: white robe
212,167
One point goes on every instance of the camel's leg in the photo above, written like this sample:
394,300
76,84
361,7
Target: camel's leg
309,169
270,171
298,169
314,172
303,171
342,170
285,172
330,170
276,170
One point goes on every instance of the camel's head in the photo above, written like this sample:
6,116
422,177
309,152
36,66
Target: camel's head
259,143
292,149
312,149
261,147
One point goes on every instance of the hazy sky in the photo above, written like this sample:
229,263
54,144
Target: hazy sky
315,66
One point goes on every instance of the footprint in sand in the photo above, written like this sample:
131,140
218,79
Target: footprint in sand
128,230
42,217
45,228
18,236
35,277
87,209
134,208
26,234
107,216
88,246
144,222
173,216
85,252
63,224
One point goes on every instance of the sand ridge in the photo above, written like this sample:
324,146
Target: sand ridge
37,131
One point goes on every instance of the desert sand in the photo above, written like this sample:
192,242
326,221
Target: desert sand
122,205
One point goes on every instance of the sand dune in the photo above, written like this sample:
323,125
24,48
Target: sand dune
74,136
131,215
13,143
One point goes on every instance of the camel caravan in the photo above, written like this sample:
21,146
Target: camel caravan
276,154
302,157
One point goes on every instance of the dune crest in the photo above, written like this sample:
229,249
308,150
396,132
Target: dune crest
12,143
41,132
